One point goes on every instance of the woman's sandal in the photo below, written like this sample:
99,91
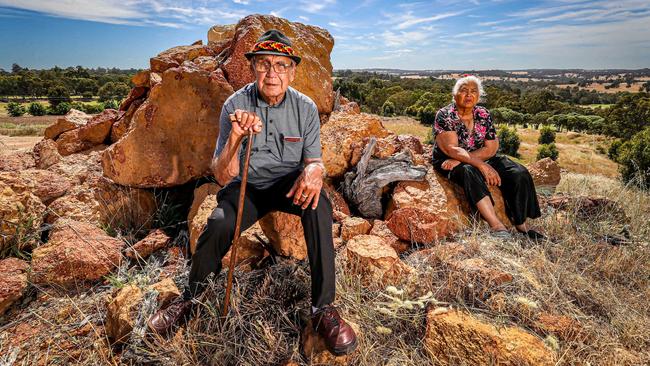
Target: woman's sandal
533,235
501,234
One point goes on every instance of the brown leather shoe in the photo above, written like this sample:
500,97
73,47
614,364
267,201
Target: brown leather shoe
338,335
164,319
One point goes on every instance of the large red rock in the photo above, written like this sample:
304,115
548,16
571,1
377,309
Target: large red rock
313,44
428,211
373,259
21,215
75,253
72,120
353,226
123,122
13,282
174,132
98,128
339,134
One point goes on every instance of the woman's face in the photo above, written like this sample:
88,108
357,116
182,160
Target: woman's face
468,95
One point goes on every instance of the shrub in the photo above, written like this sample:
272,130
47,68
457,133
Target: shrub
15,109
113,90
634,157
93,108
547,151
546,135
60,109
614,149
508,141
37,109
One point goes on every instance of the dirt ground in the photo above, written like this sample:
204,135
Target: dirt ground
10,144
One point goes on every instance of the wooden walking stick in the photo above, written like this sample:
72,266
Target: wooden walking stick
240,211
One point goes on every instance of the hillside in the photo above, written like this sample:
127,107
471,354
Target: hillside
101,215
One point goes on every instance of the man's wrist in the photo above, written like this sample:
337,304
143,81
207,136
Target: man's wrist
319,164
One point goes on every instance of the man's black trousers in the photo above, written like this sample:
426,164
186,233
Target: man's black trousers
216,238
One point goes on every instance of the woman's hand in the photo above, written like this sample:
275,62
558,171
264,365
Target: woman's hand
450,164
491,176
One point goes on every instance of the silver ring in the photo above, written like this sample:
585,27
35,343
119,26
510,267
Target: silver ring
303,195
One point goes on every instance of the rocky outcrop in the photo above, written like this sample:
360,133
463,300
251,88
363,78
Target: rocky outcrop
339,134
13,282
174,131
454,337
76,252
313,44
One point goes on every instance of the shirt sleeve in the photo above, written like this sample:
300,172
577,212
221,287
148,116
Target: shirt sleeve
442,123
224,128
311,147
491,133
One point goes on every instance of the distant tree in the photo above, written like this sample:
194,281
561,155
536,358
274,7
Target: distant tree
505,115
113,90
58,94
629,115
15,68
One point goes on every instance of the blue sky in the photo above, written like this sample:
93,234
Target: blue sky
443,34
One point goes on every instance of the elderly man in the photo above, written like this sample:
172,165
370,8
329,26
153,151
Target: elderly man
285,173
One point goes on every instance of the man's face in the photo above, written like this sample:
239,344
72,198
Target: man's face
270,82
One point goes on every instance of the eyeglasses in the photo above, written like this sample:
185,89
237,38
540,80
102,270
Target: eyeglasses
265,66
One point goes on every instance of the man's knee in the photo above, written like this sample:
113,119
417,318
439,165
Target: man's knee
220,223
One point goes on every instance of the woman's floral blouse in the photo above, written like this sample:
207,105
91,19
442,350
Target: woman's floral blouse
447,119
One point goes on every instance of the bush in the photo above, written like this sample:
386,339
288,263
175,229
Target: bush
546,135
15,109
93,108
634,157
111,104
37,109
60,109
508,141
547,151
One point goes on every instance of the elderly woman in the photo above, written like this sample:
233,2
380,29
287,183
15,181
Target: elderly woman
465,151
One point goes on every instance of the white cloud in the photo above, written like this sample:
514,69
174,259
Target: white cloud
399,39
312,6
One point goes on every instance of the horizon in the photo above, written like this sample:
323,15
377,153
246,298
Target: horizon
456,35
